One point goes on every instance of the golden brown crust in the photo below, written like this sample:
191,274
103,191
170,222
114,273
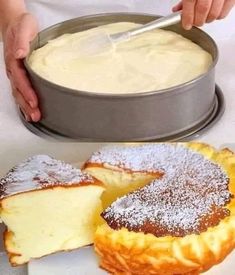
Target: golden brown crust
6,237
141,254
124,252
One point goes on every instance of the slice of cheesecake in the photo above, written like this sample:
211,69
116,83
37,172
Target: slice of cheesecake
48,206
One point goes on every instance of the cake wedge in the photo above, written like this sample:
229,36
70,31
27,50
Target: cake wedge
48,206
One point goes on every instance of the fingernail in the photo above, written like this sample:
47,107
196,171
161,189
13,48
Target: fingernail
33,116
188,27
32,104
19,53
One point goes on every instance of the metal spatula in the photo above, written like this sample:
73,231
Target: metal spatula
102,41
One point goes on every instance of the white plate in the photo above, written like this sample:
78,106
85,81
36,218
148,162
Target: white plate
6,269
84,262
79,262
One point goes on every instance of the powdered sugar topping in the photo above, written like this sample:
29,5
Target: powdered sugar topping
38,172
148,157
188,198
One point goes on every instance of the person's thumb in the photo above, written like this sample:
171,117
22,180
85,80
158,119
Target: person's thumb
25,31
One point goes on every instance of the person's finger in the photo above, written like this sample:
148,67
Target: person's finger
188,13
36,115
25,32
178,7
202,9
22,104
215,10
228,5
22,83
30,113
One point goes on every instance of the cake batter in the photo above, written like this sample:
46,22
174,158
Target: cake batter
152,61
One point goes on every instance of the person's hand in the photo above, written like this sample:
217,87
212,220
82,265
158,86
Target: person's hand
17,35
199,12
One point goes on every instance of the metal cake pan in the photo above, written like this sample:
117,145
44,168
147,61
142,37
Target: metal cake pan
188,135
124,117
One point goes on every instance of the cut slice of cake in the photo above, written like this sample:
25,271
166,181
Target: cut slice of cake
122,169
48,206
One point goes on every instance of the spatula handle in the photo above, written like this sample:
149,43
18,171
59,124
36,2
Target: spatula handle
165,21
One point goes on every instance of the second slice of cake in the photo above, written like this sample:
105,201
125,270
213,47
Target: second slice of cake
48,206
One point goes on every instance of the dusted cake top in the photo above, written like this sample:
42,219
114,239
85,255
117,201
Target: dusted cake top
41,171
152,61
188,198
151,157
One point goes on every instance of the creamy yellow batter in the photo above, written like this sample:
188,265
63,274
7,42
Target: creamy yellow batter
152,61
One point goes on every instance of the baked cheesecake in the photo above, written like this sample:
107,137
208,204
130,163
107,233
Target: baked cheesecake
48,206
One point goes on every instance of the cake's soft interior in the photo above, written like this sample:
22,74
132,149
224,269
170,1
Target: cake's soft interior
118,182
152,61
45,221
